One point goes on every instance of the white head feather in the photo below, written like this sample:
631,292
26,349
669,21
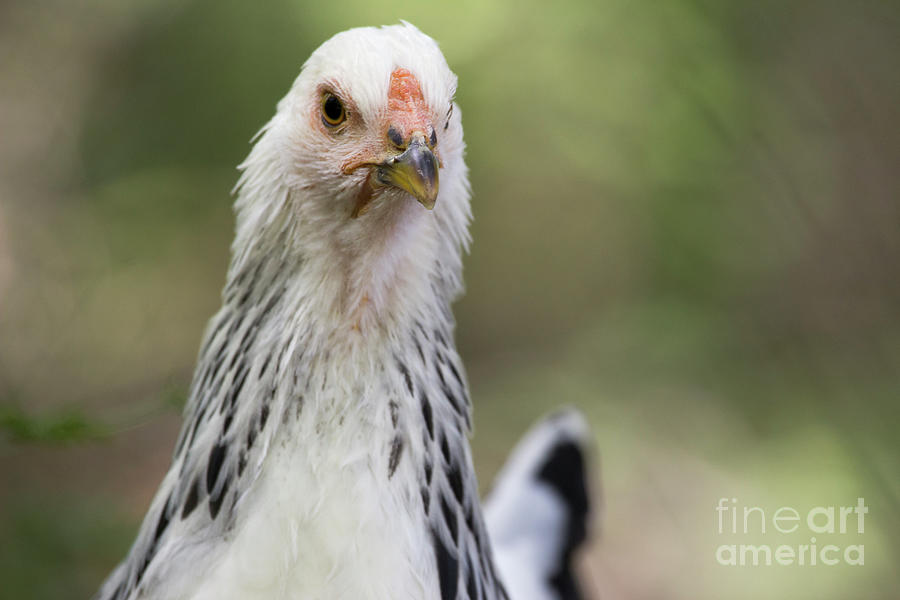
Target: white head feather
295,201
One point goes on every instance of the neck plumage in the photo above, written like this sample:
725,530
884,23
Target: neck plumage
373,337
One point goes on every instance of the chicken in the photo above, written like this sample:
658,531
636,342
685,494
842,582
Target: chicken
324,451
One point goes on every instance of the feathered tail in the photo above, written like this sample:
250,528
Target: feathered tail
537,512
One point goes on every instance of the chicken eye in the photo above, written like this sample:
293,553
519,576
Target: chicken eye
333,113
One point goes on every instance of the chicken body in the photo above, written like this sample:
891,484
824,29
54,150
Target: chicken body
324,452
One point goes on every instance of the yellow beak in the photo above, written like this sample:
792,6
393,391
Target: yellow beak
415,171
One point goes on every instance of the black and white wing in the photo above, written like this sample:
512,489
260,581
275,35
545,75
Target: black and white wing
537,513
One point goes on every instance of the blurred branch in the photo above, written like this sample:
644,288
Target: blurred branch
69,424
64,426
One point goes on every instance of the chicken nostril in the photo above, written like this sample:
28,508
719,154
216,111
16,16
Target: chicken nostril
433,138
396,138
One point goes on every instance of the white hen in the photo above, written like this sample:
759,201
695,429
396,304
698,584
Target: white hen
324,452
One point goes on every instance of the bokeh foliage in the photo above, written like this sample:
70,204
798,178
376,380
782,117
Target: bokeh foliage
686,223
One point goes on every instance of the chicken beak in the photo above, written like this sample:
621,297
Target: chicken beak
415,171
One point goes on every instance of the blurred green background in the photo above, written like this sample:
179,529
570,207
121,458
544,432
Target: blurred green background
687,223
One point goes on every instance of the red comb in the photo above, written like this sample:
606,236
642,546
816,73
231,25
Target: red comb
406,104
